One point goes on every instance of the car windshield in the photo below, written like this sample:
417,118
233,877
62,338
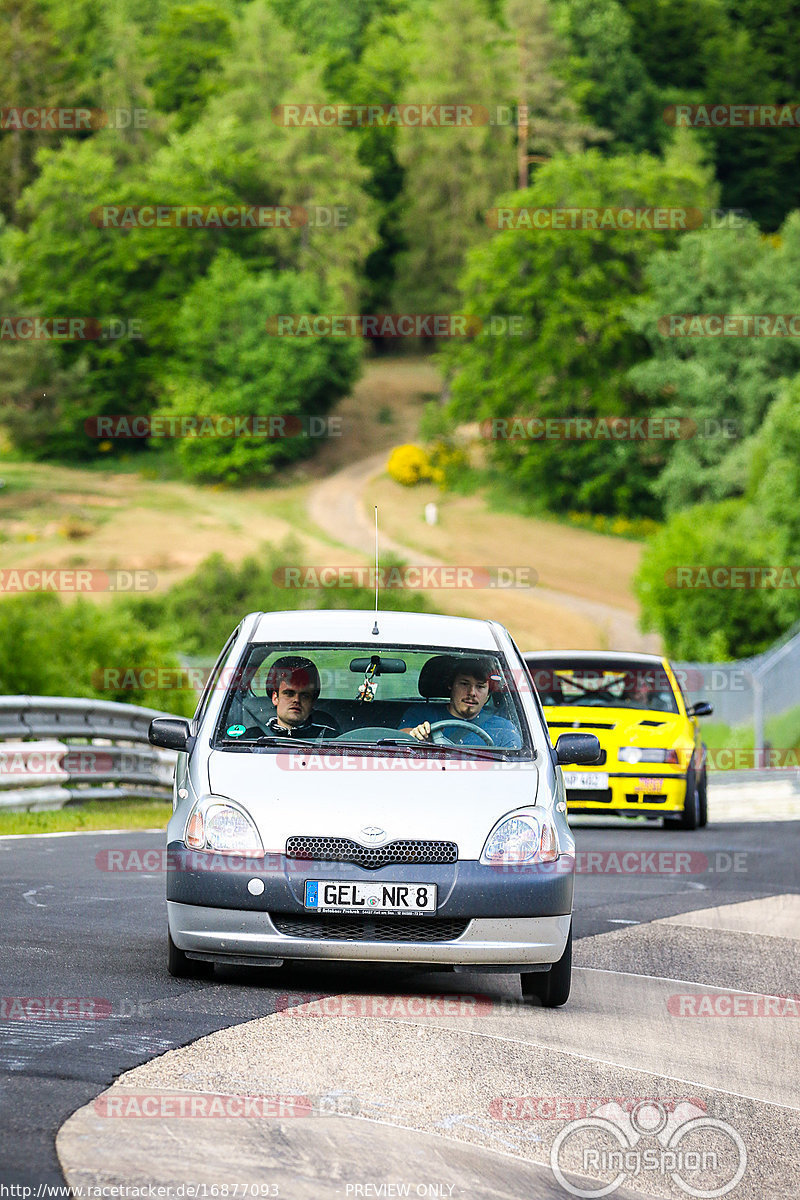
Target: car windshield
353,695
603,685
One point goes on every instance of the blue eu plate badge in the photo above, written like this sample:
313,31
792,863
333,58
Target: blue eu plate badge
312,893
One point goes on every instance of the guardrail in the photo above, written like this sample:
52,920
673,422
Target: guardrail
55,750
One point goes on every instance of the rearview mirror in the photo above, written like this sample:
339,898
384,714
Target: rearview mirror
583,749
383,666
171,733
701,709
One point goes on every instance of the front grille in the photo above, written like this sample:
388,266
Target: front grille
335,849
369,929
645,798
589,795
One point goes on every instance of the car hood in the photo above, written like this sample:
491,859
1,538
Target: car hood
619,726
340,796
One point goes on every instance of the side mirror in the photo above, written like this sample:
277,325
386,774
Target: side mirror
583,749
171,733
701,709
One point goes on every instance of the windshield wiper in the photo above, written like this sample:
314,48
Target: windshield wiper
272,739
487,752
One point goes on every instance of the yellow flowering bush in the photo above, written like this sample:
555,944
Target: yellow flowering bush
409,465
627,527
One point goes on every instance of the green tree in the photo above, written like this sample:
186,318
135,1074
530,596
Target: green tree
607,79
228,364
697,619
452,173
185,58
572,289
33,70
722,385
714,52
52,648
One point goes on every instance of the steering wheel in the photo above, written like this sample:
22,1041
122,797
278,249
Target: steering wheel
444,741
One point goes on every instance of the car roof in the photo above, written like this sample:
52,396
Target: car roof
394,628
593,656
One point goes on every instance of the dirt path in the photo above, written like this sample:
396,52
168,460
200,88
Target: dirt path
538,618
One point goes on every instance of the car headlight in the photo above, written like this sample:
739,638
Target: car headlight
216,824
636,754
524,838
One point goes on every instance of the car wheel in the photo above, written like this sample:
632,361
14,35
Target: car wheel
703,800
690,817
691,806
180,966
550,987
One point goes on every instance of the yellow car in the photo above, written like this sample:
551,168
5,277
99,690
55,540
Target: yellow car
652,761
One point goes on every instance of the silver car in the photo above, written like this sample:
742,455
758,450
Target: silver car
376,787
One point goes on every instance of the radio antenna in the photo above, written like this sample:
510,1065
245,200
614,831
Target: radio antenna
375,630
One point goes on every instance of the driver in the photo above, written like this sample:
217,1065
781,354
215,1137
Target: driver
295,687
469,691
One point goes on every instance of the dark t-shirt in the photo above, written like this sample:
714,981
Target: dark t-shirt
501,731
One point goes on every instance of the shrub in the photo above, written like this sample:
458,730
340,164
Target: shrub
409,465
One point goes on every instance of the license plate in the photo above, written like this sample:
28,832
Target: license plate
595,781
333,895
649,785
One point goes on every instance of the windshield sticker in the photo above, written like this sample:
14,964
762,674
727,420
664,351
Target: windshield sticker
235,730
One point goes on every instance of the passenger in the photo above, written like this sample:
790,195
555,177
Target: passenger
295,687
469,691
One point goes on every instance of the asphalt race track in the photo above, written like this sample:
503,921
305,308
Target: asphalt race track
667,1003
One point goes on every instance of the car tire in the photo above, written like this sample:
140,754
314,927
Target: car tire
180,966
691,806
551,987
703,800
690,818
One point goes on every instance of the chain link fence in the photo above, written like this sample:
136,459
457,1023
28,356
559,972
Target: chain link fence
757,700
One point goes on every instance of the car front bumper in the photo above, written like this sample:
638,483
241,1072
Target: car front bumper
641,791
232,934
518,916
